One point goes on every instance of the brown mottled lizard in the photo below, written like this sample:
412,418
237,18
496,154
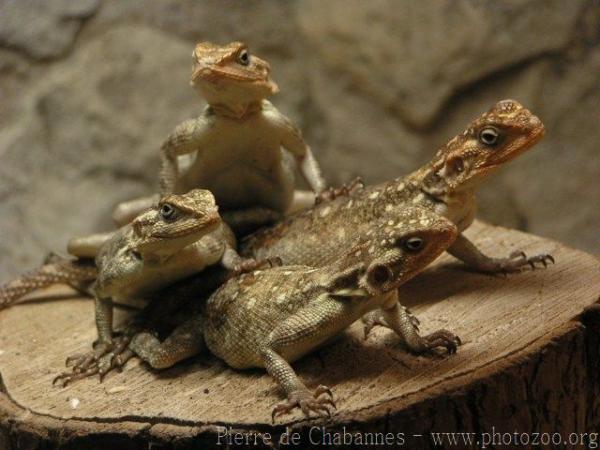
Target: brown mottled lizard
273,317
446,185
270,318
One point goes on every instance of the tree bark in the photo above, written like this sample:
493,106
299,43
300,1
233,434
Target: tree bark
529,363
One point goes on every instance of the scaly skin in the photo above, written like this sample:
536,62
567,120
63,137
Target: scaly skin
318,236
446,185
237,141
74,273
270,318
181,236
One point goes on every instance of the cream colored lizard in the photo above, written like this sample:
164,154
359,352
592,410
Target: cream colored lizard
241,148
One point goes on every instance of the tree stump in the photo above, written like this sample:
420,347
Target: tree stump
529,363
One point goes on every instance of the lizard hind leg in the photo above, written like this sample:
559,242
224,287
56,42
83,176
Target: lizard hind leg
467,252
185,341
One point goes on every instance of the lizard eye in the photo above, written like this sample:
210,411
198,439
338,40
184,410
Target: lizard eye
244,58
489,136
413,244
167,212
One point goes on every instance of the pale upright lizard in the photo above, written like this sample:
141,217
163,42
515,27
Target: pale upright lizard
241,148
446,185
270,318
181,236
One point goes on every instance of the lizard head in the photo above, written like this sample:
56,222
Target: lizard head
397,248
496,137
176,222
229,74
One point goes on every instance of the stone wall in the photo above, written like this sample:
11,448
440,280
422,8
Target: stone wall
89,89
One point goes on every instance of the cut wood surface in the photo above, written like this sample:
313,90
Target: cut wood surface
523,342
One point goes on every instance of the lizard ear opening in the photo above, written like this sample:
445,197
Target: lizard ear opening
379,274
455,165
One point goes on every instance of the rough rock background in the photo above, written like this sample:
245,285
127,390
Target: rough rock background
89,89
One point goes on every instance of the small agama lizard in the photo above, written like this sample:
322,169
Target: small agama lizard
271,318
179,237
236,144
446,185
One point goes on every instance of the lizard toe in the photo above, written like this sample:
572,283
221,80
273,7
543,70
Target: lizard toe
443,338
307,402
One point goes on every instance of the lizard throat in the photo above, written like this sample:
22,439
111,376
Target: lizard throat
236,110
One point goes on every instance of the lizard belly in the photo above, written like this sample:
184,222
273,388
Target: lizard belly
243,186
243,165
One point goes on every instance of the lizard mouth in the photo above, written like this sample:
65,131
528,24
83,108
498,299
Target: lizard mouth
208,225
215,74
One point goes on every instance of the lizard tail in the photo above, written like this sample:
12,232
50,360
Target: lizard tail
74,273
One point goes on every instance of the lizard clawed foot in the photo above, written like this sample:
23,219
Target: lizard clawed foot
307,402
371,320
376,318
332,193
53,257
82,362
518,259
250,264
100,361
442,338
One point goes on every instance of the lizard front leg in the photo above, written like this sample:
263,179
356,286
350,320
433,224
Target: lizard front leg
376,318
95,363
236,264
402,322
467,252
85,365
188,137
